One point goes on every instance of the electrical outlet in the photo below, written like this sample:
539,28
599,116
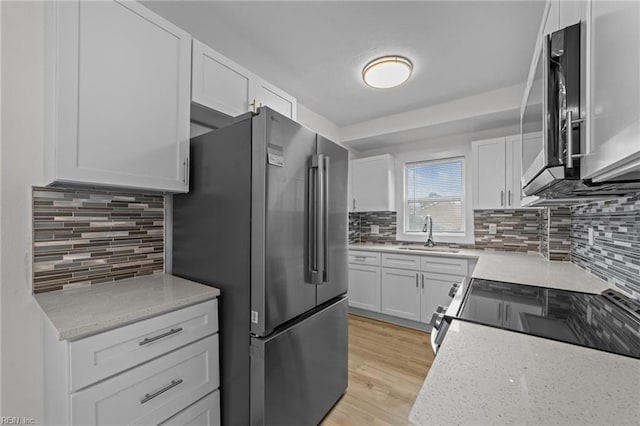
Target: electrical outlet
590,236
493,228
375,229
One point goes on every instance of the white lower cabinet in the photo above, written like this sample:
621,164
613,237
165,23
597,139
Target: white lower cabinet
401,293
148,372
364,287
403,286
204,412
152,392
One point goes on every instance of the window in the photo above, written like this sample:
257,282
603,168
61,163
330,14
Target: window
435,188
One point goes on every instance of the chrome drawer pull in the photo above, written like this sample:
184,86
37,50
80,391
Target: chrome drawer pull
160,336
149,396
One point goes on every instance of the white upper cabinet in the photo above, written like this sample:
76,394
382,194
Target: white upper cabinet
497,168
219,83
223,85
614,85
118,95
276,99
372,181
489,188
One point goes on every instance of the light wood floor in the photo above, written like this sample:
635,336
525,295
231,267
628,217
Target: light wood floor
387,367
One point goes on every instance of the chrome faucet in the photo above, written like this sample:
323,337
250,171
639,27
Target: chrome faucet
428,221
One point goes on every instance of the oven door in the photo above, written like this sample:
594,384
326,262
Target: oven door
443,316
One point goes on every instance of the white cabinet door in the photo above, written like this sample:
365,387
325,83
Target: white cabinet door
435,292
514,172
268,95
219,83
152,392
118,96
364,287
373,184
614,112
205,412
490,174
401,293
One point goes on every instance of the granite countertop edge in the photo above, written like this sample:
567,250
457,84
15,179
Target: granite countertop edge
99,327
171,293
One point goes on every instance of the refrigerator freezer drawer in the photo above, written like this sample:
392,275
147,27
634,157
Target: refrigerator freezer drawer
299,373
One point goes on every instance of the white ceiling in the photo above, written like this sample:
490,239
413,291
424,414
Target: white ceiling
315,50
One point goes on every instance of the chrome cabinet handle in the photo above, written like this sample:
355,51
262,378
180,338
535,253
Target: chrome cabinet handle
354,204
423,282
509,197
360,257
185,168
160,336
149,396
500,310
416,280
506,311
502,198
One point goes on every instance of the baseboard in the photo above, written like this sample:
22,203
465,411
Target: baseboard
390,319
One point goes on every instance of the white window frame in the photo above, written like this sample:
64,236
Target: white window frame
466,237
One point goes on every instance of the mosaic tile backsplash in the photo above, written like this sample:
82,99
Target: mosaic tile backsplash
516,230
555,237
615,254
89,236
360,227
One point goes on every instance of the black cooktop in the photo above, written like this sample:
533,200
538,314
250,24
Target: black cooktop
608,321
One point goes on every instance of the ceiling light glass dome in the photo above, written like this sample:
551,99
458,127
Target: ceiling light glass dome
387,71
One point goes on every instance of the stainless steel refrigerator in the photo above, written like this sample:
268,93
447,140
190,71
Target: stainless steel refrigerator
266,222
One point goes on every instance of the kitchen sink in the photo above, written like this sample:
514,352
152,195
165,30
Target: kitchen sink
432,249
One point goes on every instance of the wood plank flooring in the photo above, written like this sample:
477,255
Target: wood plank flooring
387,367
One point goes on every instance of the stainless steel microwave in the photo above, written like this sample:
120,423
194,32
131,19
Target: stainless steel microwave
552,108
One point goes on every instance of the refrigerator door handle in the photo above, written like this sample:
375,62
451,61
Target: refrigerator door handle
315,213
320,217
325,216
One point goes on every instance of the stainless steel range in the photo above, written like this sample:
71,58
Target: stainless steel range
609,321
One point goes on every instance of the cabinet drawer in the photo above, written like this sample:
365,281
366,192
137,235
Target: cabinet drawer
97,357
152,392
364,257
403,261
444,265
205,412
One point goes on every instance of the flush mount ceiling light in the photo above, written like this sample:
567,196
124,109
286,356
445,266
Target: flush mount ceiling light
387,71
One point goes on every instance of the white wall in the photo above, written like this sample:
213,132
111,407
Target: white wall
434,149
318,123
22,28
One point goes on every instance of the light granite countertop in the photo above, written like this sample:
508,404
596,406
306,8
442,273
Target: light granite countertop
520,268
483,375
81,312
